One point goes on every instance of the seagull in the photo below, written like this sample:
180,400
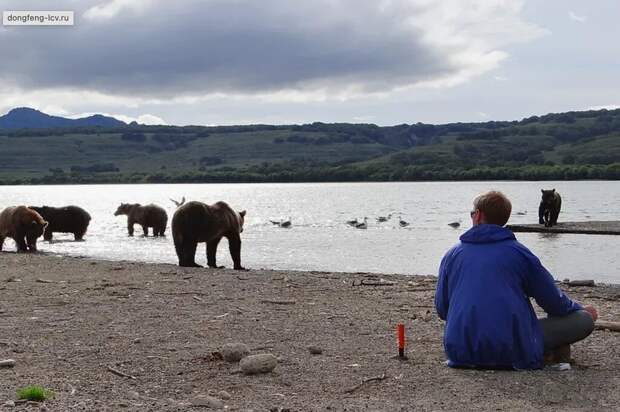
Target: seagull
282,223
178,203
362,225
384,218
402,223
352,222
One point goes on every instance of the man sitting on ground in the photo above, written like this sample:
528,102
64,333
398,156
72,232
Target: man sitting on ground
483,292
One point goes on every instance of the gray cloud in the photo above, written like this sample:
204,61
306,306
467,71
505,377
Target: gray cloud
196,47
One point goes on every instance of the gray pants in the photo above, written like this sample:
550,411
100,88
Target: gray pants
564,330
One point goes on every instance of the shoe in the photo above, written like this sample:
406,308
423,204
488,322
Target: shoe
561,354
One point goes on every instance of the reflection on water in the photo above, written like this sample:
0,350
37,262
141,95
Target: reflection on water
320,239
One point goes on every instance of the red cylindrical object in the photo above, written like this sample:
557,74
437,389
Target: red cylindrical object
401,339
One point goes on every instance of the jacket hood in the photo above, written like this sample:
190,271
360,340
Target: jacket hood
487,233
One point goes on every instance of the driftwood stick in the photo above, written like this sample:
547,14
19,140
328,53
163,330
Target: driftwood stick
601,324
588,282
119,373
365,380
373,283
279,302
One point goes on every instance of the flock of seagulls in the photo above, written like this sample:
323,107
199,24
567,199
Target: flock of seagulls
381,219
362,224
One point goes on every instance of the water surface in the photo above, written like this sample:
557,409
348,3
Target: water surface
319,238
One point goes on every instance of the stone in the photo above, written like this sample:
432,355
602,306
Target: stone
9,404
234,352
224,395
261,363
207,402
7,363
315,350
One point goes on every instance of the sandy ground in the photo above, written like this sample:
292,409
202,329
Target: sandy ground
66,321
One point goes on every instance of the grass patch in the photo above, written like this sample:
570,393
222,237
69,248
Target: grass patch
34,393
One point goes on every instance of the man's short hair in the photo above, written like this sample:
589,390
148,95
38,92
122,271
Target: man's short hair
495,206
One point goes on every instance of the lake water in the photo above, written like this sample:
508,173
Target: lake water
319,238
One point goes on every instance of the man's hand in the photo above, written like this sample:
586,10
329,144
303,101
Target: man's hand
592,311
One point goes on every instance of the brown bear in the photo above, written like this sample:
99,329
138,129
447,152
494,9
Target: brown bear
196,222
146,216
22,224
67,219
549,208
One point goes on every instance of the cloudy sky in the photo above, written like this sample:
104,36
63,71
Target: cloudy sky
282,61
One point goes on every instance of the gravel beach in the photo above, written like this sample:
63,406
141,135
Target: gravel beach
123,336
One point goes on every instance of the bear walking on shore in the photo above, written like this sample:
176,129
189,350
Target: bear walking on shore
549,208
146,216
196,222
67,219
23,225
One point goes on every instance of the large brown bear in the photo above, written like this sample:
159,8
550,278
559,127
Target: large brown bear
196,222
146,216
549,208
22,224
67,219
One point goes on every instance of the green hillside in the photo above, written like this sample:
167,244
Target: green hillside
574,145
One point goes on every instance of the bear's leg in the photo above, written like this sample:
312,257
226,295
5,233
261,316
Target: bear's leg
145,229
79,235
21,243
554,214
32,245
130,227
47,235
211,253
541,212
1,242
187,254
234,245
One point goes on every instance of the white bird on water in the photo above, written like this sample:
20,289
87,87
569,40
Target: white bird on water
403,223
362,225
282,223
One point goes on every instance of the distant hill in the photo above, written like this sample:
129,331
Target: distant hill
556,146
27,118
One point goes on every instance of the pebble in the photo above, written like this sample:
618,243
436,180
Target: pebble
9,404
224,395
315,350
207,401
7,363
261,363
234,352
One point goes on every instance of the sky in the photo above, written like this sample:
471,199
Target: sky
222,62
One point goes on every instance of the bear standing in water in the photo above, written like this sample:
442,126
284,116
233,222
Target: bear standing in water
67,219
146,216
196,222
22,224
549,208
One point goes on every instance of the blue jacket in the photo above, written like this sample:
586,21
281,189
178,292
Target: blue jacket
483,292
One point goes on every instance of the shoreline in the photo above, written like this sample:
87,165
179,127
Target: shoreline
69,319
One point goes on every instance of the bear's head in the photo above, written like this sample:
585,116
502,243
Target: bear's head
548,196
123,209
241,220
35,230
